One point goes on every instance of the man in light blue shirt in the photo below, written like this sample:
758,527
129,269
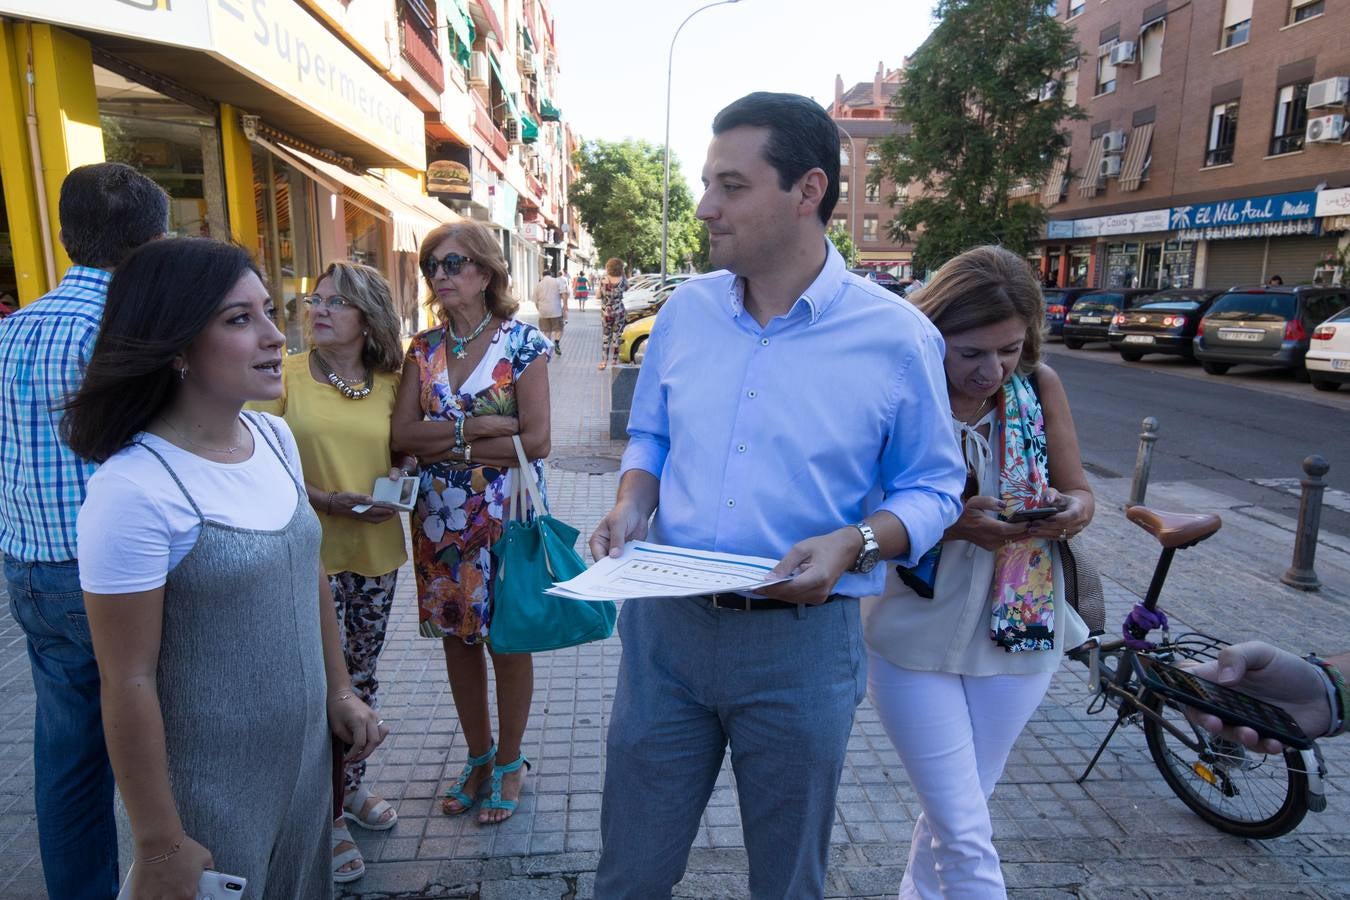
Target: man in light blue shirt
785,409
106,211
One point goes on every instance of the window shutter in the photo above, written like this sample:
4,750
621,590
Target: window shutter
1236,11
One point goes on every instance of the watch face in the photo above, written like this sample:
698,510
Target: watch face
867,561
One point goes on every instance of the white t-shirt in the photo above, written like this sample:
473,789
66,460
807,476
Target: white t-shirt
136,524
548,296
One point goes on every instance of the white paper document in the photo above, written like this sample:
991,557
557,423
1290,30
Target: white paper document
655,570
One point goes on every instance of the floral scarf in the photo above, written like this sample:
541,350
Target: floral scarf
1022,596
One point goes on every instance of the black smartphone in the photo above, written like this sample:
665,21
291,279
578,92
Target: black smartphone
1031,515
1233,707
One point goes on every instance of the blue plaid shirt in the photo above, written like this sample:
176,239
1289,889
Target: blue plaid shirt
44,348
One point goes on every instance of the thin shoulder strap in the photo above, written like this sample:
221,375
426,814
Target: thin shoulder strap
174,475
256,418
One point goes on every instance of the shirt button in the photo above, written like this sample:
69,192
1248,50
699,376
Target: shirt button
764,342
740,448
731,503
751,394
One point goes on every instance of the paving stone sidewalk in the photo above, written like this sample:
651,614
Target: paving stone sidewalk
1120,834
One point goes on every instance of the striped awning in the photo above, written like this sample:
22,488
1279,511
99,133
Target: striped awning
1087,179
1054,181
1136,153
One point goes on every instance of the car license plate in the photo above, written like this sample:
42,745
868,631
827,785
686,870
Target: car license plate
1342,365
1138,338
1089,320
1232,334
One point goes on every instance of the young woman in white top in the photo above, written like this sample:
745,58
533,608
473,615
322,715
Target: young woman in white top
211,619
962,647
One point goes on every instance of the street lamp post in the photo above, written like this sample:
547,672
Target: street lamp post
853,228
665,181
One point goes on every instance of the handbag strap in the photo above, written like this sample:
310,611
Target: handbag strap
525,483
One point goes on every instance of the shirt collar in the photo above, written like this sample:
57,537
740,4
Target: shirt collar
87,277
819,294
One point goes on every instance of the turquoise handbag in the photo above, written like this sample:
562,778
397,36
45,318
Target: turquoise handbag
533,553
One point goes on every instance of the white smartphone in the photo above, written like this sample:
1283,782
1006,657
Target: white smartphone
212,885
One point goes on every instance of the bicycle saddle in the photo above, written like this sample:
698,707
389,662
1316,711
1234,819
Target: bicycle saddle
1174,530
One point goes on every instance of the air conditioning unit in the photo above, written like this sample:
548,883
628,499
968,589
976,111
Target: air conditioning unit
1122,54
1330,92
512,130
1113,141
1110,167
1325,129
478,67
1048,91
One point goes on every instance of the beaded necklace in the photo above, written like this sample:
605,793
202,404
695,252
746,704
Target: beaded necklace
340,384
458,349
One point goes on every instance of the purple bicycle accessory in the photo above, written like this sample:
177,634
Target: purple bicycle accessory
1139,623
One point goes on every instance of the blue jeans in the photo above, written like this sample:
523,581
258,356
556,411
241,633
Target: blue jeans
779,686
77,832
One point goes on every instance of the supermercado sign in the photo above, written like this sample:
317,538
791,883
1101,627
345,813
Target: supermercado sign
273,42
1251,211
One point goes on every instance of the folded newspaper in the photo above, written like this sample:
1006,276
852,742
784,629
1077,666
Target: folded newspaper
654,570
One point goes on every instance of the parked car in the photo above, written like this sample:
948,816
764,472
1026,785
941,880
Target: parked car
633,341
885,279
1164,322
1058,302
1265,326
1328,358
1091,314
644,301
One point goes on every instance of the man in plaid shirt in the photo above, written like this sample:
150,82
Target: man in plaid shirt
106,211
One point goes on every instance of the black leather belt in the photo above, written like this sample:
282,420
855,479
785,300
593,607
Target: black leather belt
742,603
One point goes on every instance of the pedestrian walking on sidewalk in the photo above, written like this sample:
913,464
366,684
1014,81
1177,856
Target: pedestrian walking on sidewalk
612,287
581,289
338,399
106,211
469,385
550,299
223,682
962,647
776,396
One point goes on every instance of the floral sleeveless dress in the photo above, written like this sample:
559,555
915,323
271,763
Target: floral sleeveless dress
459,511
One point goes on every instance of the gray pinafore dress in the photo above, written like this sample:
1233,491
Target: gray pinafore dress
243,692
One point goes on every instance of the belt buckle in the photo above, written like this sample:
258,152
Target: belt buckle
725,601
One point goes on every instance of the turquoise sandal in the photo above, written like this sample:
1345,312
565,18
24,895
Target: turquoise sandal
495,801
456,790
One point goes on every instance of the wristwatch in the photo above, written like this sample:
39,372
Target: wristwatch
871,550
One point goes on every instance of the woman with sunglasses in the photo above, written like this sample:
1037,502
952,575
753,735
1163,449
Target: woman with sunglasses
469,385
338,400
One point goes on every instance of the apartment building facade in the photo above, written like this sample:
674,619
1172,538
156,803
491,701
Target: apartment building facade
1212,152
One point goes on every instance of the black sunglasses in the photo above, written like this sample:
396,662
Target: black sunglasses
451,264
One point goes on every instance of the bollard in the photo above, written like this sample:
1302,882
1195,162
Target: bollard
1147,438
1301,575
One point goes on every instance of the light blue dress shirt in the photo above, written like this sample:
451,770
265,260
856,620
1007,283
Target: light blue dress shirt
763,437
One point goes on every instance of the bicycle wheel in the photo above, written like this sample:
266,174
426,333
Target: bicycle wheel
1238,791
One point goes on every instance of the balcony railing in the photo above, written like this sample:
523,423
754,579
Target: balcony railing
418,45
483,124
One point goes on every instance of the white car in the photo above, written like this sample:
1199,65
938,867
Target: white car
635,300
1328,358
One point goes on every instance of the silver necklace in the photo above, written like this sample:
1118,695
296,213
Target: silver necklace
191,443
971,420
459,350
340,383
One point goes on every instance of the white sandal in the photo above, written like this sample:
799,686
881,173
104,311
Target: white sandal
351,854
355,802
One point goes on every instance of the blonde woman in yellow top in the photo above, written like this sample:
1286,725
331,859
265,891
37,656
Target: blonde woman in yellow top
337,399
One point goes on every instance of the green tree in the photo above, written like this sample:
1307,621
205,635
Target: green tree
977,129
843,242
618,196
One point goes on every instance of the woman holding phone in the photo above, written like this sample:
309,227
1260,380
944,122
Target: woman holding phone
338,399
962,647
209,610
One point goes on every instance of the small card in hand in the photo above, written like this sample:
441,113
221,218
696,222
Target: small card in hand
398,492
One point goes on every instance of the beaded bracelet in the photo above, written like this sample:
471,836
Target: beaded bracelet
459,432
163,857
1338,696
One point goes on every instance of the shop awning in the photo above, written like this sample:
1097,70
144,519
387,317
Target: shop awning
548,112
529,130
411,219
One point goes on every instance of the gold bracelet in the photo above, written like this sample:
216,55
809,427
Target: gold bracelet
166,855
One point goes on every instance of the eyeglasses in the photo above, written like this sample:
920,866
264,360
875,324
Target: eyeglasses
314,301
452,264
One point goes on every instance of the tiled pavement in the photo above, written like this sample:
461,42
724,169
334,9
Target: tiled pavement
1121,834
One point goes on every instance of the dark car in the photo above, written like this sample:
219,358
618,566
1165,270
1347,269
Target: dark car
1164,322
885,279
1265,326
1091,314
1058,302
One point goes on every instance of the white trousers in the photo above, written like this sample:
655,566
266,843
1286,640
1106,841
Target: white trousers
953,733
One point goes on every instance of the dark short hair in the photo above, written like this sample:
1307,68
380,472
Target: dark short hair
801,138
160,299
108,210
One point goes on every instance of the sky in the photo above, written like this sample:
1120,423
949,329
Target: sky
612,60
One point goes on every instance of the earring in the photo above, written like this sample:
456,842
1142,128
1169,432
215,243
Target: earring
182,374
365,333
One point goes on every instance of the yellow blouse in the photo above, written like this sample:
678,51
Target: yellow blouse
344,446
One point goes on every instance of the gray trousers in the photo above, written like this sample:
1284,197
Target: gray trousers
779,686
